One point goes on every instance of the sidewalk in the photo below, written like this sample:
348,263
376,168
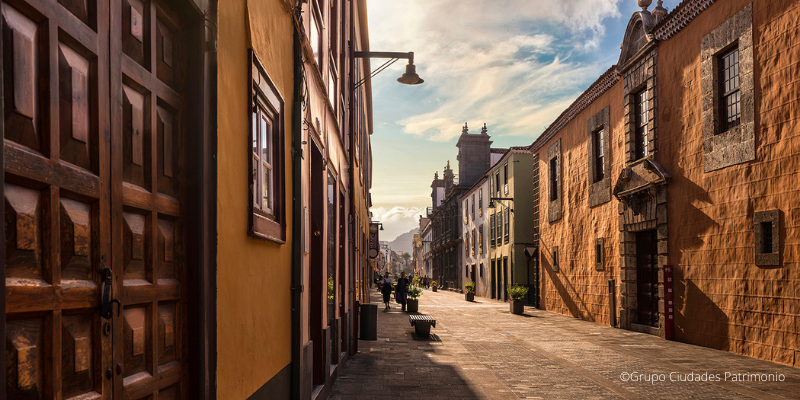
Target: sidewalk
481,351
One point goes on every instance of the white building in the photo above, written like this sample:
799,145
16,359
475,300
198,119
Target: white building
475,259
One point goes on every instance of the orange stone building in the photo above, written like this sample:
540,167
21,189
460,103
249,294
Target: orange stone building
685,156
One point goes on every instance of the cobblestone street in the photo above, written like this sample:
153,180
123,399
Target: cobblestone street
480,350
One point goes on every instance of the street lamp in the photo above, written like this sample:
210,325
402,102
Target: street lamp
410,77
492,199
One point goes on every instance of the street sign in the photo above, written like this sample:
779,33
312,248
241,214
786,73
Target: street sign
374,244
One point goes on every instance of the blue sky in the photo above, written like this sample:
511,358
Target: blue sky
512,64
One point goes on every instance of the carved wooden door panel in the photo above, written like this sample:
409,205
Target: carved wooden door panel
147,79
55,65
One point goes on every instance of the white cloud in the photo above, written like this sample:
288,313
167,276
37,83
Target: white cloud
396,220
493,61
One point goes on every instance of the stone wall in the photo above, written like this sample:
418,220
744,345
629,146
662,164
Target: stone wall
578,288
723,298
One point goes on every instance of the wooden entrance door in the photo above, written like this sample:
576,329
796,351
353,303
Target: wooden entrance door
93,146
148,72
647,278
57,198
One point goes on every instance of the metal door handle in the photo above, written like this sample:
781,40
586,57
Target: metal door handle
105,305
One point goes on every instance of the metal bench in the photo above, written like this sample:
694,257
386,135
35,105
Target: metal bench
422,324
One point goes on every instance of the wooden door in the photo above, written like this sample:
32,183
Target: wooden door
92,140
148,69
647,278
55,82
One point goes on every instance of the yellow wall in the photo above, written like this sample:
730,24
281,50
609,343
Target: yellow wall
253,276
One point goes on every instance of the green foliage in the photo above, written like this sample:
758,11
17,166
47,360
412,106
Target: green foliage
414,291
415,279
517,292
330,288
470,286
433,283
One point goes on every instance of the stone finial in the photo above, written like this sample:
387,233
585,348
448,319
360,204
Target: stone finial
436,176
660,12
448,165
483,130
644,4
465,130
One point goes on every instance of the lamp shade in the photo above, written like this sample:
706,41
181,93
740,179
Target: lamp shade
410,77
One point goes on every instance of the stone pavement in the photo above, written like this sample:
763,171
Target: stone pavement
481,351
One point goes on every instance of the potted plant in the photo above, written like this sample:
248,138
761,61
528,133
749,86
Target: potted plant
470,288
434,285
517,296
414,292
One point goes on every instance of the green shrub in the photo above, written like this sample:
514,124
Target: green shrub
470,286
433,283
517,292
330,288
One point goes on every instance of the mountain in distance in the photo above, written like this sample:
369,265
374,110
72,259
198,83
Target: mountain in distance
403,242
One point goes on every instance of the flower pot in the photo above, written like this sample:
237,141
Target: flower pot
517,307
412,305
470,296
434,288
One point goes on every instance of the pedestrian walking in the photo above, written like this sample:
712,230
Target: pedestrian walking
402,290
386,290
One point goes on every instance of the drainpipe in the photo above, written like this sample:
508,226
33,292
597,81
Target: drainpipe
297,203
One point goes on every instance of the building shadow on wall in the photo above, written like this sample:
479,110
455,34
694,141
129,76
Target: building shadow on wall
564,288
702,322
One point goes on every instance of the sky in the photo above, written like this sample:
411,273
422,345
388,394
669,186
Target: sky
514,65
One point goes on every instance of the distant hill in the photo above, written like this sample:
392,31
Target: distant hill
403,242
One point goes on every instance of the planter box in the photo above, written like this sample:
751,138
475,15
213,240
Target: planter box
434,288
470,296
517,307
412,305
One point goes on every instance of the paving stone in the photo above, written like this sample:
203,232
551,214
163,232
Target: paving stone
485,352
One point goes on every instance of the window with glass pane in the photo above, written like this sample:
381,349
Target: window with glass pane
640,125
505,179
599,167
730,104
508,218
262,159
480,202
553,179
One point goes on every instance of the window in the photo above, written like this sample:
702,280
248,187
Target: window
505,178
481,271
599,166
729,89
553,179
491,229
640,124
598,254
508,219
497,182
474,242
727,77
499,229
555,258
315,36
767,238
466,244
480,239
267,214
466,211
480,202
473,207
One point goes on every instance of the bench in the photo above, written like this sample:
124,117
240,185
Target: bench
422,324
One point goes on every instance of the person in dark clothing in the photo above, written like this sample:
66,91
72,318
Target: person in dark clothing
402,290
386,290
